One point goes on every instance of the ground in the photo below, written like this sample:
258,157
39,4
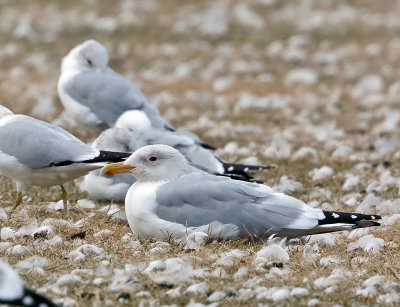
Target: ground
311,86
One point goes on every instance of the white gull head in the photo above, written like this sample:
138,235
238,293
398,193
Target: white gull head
87,56
157,163
133,120
116,139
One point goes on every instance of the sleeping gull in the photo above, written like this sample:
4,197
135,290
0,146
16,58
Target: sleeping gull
170,200
13,291
133,130
187,143
94,95
33,152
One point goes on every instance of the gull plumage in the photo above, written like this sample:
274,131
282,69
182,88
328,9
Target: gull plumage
94,95
33,152
168,199
132,131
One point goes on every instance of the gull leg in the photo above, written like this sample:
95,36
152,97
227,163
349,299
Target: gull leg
64,197
18,201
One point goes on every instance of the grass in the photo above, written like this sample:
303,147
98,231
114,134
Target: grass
147,37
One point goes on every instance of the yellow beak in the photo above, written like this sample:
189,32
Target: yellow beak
115,168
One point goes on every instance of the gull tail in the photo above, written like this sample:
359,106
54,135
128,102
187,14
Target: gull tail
31,299
334,221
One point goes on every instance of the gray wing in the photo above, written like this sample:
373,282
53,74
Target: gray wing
170,138
108,95
38,144
200,199
187,144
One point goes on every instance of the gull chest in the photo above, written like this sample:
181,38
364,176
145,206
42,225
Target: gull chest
140,201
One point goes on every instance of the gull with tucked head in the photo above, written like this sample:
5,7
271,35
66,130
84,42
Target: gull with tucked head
94,95
169,199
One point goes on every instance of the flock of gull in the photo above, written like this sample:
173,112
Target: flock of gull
172,183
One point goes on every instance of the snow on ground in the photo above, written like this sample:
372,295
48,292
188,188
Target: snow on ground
310,86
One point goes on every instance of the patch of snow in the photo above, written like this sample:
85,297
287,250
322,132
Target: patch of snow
278,149
369,201
56,206
247,17
241,272
216,296
287,185
17,250
367,243
305,153
301,76
155,265
103,233
369,84
321,173
123,282
336,277
391,220
276,272
33,264
174,292
220,273
350,183
269,253
198,288
329,261
327,239
7,233
299,292
67,279
85,204
3,215
195,240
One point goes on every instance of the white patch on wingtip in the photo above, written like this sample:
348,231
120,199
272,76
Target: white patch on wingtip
335,215
353,216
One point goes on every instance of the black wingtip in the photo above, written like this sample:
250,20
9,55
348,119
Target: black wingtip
333,217
207,146
104,156
244,169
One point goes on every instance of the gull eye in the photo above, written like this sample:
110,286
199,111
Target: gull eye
153,158
89,62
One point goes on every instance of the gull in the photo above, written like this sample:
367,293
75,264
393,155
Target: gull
185,142
132,131
33,152
169,200
14,292
94,95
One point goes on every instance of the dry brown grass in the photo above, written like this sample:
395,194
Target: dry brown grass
22,83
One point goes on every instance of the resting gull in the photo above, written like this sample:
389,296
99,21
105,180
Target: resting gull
170,200
33,152
94,95
133,130
13,291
